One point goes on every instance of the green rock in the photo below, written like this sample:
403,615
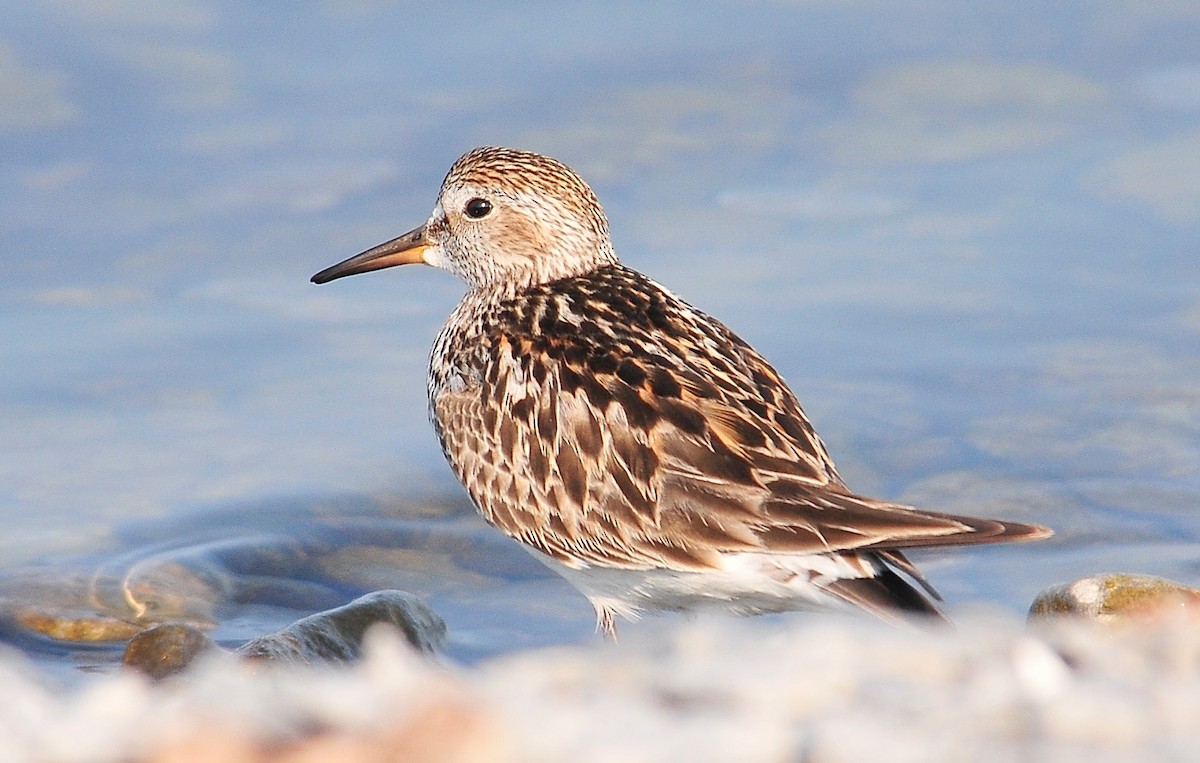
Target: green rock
1115,597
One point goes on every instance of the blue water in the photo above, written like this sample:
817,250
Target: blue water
967,235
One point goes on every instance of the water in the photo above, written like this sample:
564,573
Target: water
966,235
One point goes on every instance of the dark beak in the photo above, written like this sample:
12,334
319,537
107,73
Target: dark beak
405,250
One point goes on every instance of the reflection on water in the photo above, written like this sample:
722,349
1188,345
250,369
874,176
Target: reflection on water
966,236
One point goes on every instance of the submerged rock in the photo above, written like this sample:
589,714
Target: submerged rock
333,636
74,624
1117,597
165,650
337,635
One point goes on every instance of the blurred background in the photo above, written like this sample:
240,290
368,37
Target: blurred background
966,234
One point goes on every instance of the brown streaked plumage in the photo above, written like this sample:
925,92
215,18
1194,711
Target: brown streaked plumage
632,442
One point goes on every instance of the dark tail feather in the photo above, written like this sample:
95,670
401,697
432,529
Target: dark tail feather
897,559
887,596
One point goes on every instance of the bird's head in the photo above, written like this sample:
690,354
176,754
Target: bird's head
504,219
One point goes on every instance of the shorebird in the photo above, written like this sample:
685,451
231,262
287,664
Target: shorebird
630,441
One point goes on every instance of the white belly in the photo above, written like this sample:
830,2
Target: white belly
745,584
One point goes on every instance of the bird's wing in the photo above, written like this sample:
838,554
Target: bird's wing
623,427
739,467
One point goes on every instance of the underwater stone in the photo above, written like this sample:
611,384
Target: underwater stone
75,625
332,636
165,650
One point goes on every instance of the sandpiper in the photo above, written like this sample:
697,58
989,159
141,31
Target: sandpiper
633,443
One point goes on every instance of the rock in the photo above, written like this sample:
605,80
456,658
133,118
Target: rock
63,624
336,635
333,636
165,650
1117,597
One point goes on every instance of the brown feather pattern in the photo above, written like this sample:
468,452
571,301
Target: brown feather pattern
686,438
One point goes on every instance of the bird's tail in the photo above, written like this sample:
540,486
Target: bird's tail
886,594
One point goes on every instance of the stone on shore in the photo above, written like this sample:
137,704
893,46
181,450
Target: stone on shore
1117,597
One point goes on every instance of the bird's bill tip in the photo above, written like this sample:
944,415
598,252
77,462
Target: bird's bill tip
403,250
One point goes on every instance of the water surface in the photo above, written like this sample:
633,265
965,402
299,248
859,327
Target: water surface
967,236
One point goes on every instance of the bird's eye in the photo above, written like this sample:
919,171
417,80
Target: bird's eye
477,208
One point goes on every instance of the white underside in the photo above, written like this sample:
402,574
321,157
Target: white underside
746,584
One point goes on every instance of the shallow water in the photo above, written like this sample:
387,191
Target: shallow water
966,235
250,570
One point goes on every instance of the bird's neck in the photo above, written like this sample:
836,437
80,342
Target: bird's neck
535,271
